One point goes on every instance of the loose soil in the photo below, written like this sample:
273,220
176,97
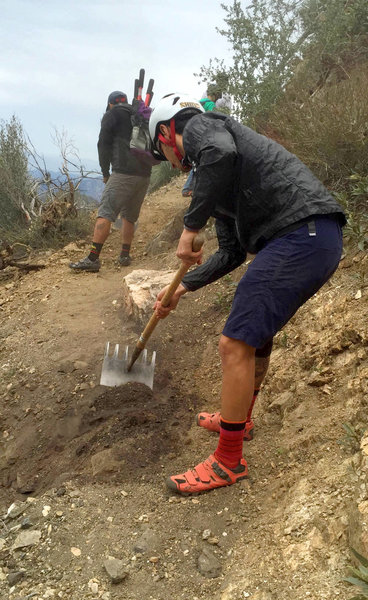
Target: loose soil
89,463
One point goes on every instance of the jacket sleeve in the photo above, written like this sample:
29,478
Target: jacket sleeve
105,142
215,168
228,257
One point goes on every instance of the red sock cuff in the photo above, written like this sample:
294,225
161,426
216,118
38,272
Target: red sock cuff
232,425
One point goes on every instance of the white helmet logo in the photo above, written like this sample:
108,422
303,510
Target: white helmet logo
190,105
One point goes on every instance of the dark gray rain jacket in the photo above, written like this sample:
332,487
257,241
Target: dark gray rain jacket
114,144
253,186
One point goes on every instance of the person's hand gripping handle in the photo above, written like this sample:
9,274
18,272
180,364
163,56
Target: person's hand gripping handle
165,301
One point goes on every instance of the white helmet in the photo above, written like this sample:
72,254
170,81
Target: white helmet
168,107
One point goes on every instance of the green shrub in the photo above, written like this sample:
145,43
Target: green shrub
36,237
359,576
354,199
352,438
15,183
327,129
161,175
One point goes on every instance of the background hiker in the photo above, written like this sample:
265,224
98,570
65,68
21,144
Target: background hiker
125,188
268,203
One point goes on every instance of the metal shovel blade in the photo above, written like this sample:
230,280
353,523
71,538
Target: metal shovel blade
115,369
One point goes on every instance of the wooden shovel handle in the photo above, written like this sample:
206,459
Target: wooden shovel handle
197,245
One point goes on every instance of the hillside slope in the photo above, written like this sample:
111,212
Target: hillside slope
86,465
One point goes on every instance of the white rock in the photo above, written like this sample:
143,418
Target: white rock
140,289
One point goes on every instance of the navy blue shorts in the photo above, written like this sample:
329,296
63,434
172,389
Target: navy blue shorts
283,275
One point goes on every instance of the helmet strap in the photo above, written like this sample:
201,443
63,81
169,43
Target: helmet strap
172,141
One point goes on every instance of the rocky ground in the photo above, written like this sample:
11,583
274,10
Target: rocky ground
84,509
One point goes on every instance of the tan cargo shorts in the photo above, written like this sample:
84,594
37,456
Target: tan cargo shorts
123,195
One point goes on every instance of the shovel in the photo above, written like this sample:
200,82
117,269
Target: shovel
118,370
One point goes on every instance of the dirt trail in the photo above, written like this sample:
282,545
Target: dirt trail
89,463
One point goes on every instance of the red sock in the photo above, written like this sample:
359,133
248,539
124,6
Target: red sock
230,445
255,394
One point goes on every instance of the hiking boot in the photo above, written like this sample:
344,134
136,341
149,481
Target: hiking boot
207,476
86,264
125,261
212,423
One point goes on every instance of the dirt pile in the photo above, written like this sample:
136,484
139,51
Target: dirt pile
86,465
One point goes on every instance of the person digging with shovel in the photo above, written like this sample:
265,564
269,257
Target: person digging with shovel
266,202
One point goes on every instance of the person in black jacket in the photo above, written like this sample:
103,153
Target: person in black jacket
125,188
266,202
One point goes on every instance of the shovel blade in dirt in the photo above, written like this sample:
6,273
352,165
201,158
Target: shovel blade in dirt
118,371
115,368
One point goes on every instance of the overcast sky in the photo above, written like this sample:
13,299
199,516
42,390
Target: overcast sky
61,58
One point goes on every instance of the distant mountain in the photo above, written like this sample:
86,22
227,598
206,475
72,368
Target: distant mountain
91,186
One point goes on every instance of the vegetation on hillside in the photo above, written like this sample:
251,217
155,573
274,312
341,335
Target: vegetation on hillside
299,75
40,210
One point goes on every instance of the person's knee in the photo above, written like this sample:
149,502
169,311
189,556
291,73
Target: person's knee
102,222
233,351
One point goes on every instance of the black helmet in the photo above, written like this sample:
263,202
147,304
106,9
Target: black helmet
116,98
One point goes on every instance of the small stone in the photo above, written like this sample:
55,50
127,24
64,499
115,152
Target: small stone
15,577
76,551
16,509
65,366
116,569
46,510
80,365
26,523
27,538
93,586
104,462
147,542
208,564
213,540
154,559
206,534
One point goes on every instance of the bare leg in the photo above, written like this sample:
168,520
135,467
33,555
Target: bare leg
127,232
262,364
238,366
101,231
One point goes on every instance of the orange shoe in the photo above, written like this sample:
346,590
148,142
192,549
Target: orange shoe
212,423
207,476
